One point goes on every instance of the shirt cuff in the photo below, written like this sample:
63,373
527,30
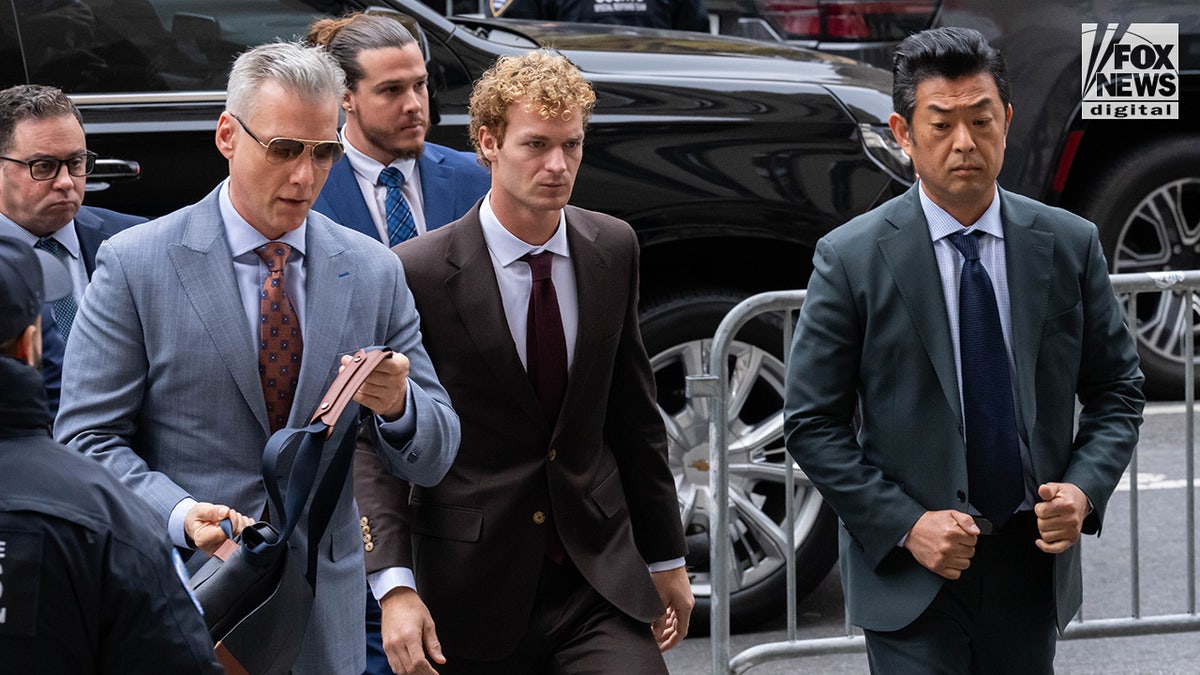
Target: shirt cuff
666,565
385,580
403,428
175,523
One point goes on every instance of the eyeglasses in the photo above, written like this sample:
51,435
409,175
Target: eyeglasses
47,168
284,150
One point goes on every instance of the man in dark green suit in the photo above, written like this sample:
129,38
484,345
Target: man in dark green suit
884,410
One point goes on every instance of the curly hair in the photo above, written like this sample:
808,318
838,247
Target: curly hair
546,82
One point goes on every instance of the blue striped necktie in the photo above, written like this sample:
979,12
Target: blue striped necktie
993,457
400,223
64,308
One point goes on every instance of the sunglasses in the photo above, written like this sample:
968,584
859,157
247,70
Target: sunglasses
284,150
47,168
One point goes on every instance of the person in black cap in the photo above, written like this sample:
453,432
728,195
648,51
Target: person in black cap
87,584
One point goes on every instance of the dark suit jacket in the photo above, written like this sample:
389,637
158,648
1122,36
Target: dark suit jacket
451,182
874,332
92,226
475,543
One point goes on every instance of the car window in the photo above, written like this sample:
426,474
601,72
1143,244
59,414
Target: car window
151,45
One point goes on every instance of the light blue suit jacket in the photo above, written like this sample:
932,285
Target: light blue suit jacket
874,336
161,385
451,183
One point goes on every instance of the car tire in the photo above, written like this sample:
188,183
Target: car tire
678,331
1147,208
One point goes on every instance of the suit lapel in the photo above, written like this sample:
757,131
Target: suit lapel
595,301
437,188
87,230
204,265
908,254
328,292
1029,254
342,200
471,285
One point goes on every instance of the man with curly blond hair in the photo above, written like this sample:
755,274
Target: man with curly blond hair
554,544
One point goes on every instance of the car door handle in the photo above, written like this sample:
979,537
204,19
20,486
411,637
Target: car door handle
108,171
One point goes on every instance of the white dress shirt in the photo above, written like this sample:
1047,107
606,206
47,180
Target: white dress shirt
71,255
366,172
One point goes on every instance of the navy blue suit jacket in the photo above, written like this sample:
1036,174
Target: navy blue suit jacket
451,183
92,226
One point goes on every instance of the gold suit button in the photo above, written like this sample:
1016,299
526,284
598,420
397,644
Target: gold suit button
366,529
553,454
367,538
369,546
364,521
539,517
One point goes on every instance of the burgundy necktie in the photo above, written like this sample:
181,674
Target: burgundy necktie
280,343
546,359
545,346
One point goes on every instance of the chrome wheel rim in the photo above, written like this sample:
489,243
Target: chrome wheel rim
756,455
1163,233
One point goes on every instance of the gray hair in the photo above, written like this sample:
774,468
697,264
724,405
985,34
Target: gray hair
347,37
31,102
306,71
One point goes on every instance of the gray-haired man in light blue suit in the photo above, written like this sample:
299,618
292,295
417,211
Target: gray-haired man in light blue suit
161,379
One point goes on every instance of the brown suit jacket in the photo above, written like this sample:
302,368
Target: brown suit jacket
475,541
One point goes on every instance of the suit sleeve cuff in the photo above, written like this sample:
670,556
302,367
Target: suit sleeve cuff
385,580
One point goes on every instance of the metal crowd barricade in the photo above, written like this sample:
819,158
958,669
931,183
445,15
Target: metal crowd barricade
715,385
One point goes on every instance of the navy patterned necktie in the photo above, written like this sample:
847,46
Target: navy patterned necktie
993,456
280,341
64,308
400,223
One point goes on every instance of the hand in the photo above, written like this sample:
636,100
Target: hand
202,525
408,633
385,391
1060,516
676,592
944,542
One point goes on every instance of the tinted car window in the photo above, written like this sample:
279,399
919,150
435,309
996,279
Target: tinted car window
149,45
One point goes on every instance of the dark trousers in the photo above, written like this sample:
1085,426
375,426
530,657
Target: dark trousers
997,618
573,631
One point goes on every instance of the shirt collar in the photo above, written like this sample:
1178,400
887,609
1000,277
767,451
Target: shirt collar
65,236
241,235
507,247
942,224
368,168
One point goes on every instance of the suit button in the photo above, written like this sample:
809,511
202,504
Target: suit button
539,517
369,546
553,454
364,521
367,538
962,496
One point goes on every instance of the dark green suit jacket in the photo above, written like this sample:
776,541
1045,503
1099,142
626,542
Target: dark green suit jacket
873,335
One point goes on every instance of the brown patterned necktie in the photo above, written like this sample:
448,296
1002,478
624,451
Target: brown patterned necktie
280,343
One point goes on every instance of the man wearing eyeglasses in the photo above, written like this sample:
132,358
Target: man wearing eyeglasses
205,331
44,163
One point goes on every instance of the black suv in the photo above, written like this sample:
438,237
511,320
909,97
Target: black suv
729,157
1138,180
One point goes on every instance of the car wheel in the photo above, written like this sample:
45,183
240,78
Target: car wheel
678,333
1147,207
